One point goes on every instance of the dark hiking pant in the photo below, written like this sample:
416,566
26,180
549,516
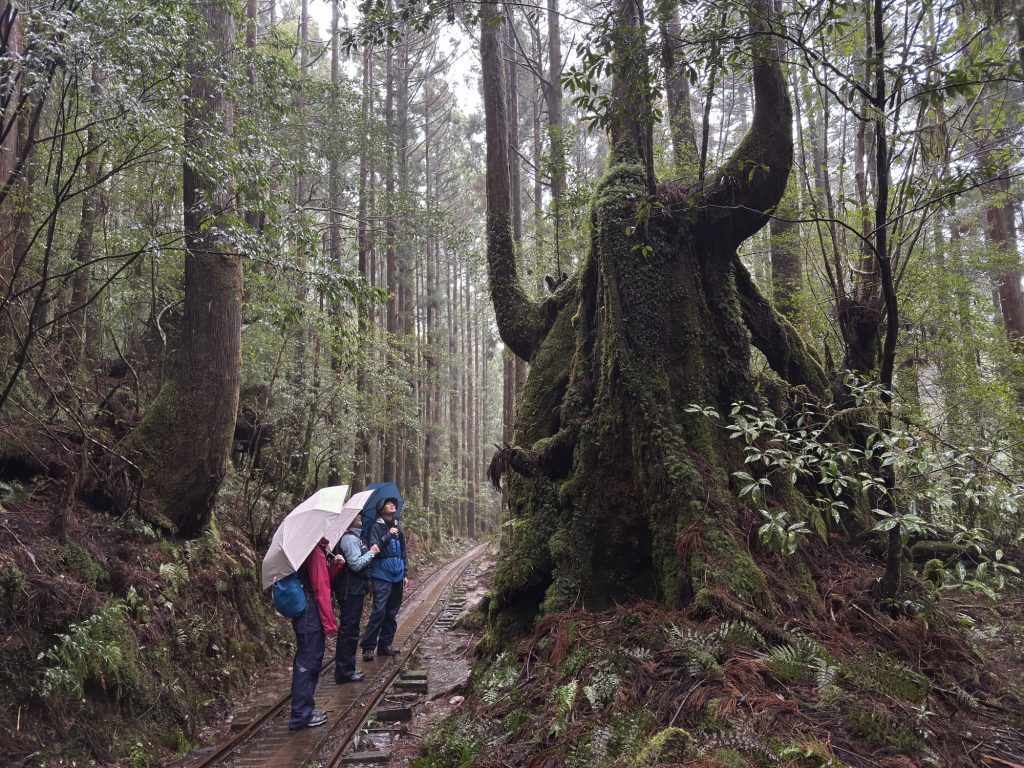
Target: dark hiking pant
380,630
309,659
350,606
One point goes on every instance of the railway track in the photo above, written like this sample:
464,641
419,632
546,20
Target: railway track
264,741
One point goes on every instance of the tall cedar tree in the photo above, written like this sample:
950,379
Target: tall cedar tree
181,446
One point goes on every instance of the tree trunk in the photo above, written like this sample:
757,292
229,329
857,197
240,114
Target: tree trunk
556,132
608,468
183,442
361,449
787,263
677,94
390,457
74,333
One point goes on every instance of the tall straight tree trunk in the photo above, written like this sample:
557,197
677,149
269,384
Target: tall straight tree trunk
677,94
75,333
474,415
466,421
454,384
1001,234
182,443
299,462
10,35
361,449
334,243
405,456
556,130
430,358
390,456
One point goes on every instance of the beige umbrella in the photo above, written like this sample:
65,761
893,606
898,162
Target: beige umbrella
319,516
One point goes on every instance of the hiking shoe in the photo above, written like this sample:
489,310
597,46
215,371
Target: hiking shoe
367,655
387,652
355,677
319,718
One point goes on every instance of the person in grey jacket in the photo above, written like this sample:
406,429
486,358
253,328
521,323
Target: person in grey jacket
350,586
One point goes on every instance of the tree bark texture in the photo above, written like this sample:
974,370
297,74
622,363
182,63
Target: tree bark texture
183,442
607,467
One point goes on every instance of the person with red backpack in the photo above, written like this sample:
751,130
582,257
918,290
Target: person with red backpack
311,629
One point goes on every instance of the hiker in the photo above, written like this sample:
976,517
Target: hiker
350,586
311,629
389,581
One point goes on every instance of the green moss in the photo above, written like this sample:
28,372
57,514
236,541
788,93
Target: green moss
81,566
630,732
801,583
670,745
808,754
934,571
516,720
726,565
13,590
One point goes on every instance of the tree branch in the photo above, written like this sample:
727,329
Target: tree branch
779,341
752,181
522,322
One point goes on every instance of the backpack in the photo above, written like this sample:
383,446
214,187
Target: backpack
290,596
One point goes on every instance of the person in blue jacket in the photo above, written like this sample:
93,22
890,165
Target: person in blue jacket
350,587
389,581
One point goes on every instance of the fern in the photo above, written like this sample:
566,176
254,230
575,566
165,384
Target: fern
504,672
963,697
96,649
736,632
602,688
886,675
565,698
700,651
787,663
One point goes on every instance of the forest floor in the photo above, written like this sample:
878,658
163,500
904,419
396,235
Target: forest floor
840,684
118,647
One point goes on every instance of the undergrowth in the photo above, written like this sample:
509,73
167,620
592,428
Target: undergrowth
845,683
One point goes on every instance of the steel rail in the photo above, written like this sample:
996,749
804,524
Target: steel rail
458,569
377,692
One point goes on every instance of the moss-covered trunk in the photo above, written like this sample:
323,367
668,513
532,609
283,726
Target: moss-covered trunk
619,490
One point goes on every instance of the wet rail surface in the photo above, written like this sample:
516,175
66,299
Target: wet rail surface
264,741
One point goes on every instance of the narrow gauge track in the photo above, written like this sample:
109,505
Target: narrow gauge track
266,742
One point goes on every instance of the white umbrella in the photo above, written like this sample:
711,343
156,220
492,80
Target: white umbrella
319,516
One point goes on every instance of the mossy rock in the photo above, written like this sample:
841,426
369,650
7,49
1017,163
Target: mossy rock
671,745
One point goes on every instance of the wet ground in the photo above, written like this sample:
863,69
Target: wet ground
445,655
